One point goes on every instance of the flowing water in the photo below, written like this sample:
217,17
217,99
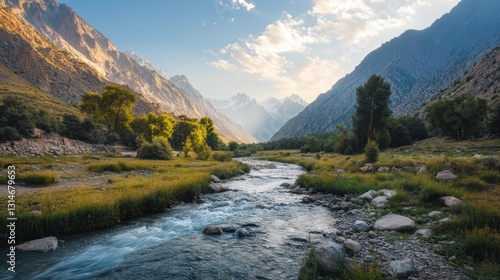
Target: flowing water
172,246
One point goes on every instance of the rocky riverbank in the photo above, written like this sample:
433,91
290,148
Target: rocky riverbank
369,234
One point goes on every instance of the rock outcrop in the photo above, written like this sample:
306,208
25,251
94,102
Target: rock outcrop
39,245
45,144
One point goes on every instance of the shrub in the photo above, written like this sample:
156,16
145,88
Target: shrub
8,133
490,162
483,245
38,178
491,177
473,184
159,149
204,152
371,151
222,156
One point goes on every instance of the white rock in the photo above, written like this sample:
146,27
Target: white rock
218,188
352,247
477,156
422,170
384,169
369,195
367,168
424,233
214,179
444,221
387,193
434,214
380,202
39,245
394,222
451,201
446,175
329,256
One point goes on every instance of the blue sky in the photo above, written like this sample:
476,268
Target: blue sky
265,48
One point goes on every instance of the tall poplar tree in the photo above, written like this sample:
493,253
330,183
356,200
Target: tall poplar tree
372,110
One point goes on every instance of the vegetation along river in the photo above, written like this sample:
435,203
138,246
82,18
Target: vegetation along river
172,245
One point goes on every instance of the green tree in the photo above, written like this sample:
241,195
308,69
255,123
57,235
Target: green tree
415,126
112,108
372,109
213,139
399,135
494,123
461,117
16,114
153,125
371,151
158,149
342,140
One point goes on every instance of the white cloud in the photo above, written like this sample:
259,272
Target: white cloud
242,3
222,65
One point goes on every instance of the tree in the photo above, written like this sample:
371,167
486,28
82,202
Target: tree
372,110
15,113
399,135
494,123
415,127
158,149
371,151
461,117
342,140
153,125
112,108
213,140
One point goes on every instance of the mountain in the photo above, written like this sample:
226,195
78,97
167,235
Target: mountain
69,32
483,80
417,64
225,126
263,119
284,109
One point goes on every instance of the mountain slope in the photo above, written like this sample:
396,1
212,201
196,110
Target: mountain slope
284,109
228,129
483,80
417,64
61,25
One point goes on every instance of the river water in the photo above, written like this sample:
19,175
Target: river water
171,245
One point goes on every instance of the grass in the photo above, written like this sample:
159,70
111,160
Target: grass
121,196
475,226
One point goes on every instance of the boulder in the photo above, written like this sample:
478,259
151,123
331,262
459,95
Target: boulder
286,185
477,156
214,179
388,193
361,226
422,170
217,188
241,232
424,233
352,247
329,256
435,214
380,202
37,133
213,230
367,168
451,201
402,268
384,169
395,222
39,245
446,175
369,195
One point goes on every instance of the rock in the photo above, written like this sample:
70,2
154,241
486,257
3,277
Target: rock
36,213
422,170
388,193
212,230
241,172
444,221
352,247
384,169
394,222
329,256
361,226
367,168
380,202
435,214
286,185
95,158
402,268
372,234
340,171
37,133
424,233
477,156
298,190
39,245
241,232
214,179
217,188
446,175
451,201
369,195
306,200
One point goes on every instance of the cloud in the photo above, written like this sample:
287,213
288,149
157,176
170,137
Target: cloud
242,3
222,65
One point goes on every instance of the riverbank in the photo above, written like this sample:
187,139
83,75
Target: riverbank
465,237
80,193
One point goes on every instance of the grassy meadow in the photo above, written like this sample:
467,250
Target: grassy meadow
475,225
79,193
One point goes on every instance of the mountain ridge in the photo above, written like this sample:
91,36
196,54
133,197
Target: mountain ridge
417,64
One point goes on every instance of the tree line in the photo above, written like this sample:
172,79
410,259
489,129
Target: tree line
108,119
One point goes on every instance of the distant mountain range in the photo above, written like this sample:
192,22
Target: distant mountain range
417,64
95,54
260,119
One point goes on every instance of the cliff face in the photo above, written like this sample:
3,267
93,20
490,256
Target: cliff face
417,64
62,26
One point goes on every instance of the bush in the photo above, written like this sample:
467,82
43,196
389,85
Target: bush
491,177
38,178
371,152
222,156
483,245
159,149
204,152
8,133
473,184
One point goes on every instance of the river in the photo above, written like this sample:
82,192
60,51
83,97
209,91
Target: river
171,245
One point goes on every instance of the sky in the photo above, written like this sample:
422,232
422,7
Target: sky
264,48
